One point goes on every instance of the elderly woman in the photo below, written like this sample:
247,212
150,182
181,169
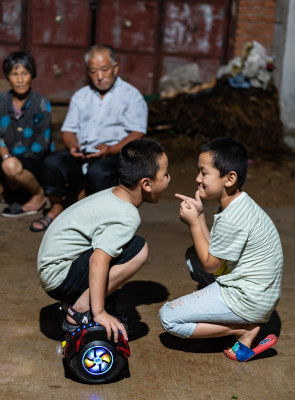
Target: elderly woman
25,135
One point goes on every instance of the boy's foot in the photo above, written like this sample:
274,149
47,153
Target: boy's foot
80,319
68,328
240,352
244,342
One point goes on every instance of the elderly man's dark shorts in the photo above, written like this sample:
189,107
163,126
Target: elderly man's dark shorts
77,280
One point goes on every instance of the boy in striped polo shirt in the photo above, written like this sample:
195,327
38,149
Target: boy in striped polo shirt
246,239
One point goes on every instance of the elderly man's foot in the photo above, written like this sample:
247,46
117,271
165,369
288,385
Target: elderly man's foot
42,223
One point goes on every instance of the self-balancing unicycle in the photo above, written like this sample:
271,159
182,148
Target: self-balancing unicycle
91,357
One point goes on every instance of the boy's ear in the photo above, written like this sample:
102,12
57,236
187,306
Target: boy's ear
146,184
232,178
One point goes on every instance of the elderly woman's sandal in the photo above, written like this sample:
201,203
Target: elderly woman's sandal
16,210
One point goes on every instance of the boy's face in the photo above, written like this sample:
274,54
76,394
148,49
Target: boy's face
210,184
162,180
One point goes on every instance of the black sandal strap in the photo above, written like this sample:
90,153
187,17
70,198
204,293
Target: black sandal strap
44,221
79,318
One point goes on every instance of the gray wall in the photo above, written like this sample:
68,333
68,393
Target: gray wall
284,53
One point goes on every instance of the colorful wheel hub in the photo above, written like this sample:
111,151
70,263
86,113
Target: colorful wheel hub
97,360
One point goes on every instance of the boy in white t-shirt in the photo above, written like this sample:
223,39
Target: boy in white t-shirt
91,248
246,239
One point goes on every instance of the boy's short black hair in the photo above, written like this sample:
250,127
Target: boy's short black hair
228,155
19,58
139,159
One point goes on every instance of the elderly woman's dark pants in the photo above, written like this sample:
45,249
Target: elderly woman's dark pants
64,174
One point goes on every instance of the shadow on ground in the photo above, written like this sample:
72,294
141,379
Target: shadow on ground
122,304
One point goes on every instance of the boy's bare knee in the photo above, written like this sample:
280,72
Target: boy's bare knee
144,253
11,166
142,256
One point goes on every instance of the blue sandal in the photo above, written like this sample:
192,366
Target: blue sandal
242,353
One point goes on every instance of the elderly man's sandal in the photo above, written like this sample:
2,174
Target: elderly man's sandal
44,221
242,353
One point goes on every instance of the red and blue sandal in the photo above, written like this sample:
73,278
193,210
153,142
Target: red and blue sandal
242,353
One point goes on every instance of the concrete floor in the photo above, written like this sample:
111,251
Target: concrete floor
160,367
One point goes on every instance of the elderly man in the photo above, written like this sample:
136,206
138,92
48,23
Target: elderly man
102,118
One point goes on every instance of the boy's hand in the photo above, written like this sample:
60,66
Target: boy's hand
190,208
111,324
196,202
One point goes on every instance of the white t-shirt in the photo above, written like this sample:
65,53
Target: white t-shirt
244,236
100,221
109,120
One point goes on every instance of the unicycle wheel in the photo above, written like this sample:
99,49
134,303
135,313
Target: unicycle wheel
91,357
97,362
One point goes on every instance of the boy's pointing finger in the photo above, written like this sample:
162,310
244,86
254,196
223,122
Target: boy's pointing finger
182,197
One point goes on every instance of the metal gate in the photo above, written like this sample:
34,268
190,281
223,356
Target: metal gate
150,38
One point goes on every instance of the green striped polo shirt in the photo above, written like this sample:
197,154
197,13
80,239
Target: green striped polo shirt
245,236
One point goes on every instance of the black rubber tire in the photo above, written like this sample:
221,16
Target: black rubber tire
77,368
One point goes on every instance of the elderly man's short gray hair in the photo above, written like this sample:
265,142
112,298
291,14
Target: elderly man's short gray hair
98,48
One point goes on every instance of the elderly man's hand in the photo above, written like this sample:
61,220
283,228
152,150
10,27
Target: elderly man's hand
76,152
103,150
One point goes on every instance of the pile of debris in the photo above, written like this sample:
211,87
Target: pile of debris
242,102
251,116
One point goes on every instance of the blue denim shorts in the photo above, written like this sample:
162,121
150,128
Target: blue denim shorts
180,316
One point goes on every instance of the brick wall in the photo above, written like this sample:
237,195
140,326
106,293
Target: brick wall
255,21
